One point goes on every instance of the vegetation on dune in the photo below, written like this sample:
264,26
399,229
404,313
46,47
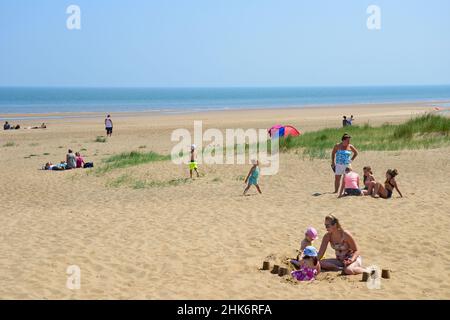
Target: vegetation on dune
100,139
9,144
427,131
129,159
129,181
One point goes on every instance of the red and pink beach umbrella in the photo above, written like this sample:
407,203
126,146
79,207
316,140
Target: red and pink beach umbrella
283,131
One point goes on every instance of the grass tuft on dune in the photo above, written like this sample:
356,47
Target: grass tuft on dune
129,159
427,131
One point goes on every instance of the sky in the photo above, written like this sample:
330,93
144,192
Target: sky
190,43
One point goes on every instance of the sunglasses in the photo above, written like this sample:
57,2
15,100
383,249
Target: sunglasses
328,225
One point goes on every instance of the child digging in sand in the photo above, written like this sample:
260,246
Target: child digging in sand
193,164
252,177
309,266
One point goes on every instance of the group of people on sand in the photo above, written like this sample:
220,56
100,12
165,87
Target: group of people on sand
347,181
8,126
347,121
347,259
309,262
73,161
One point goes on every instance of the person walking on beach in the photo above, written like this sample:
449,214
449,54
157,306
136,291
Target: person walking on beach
71,160
341,157
344,121
193,164
108,126
252,177
348,260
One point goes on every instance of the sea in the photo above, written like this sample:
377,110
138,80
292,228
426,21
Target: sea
48,100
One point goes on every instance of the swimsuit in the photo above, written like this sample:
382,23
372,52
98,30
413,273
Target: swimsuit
253,179
342,161
193,165
304,274
342,250
389,191
343,157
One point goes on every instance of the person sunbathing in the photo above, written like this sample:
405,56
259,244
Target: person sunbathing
42,126
60,166
390,184
368,180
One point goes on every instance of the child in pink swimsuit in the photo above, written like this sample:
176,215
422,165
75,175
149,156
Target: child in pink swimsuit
309,265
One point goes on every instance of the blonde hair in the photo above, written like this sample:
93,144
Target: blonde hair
334,221
392,172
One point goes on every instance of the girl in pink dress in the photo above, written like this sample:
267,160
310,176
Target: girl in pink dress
309,265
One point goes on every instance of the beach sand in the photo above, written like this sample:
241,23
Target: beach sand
202,239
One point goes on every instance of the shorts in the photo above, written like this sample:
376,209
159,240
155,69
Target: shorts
339,170
353,192
193,165
108,130
356,263
389,194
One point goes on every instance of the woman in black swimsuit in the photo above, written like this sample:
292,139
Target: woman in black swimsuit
390,184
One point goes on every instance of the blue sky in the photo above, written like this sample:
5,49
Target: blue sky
224,43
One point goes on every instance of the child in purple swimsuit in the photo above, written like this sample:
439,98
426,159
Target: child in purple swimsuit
309,265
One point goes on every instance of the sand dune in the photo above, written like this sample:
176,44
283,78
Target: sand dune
202,239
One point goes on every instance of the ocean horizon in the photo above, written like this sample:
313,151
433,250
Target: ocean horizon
38,100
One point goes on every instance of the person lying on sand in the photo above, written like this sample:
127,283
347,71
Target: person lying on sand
350,183
42,126
50,166
348,259
252,177
389,185
309,266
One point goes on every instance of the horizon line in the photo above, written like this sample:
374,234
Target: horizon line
217,87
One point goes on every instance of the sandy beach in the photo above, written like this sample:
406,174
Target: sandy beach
202,239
